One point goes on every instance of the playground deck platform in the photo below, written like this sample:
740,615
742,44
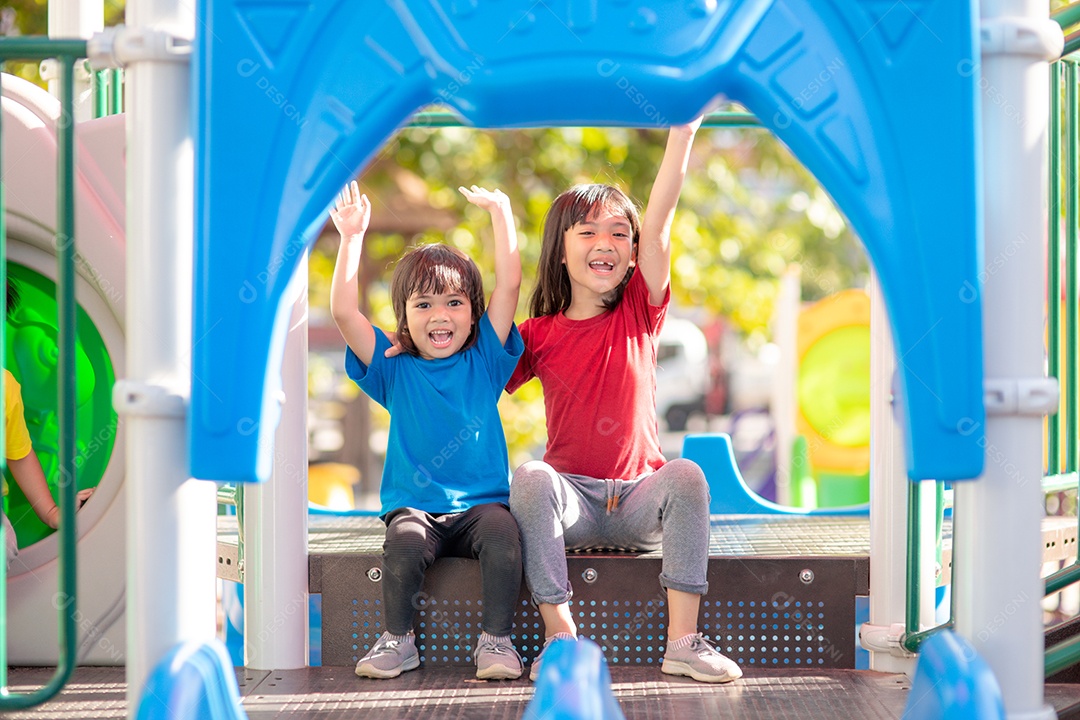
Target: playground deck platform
757,579
453,693
783,590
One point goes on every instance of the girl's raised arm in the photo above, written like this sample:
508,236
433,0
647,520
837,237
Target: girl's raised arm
351,216
654,247
504,298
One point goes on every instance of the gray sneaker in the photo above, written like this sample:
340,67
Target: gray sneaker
389,657
496,659
701,661
534,671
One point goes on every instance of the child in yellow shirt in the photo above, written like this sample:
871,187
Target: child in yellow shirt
22,461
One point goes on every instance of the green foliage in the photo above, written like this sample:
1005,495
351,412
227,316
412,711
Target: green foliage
747,211
31,17
748,208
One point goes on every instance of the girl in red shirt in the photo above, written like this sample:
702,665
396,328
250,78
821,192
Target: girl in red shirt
601,296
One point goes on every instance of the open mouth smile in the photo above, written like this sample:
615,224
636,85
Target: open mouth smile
441,339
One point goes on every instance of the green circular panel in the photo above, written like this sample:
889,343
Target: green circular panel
31,354
834,386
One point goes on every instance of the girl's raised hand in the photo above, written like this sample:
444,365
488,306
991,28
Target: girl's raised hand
489,200
352,211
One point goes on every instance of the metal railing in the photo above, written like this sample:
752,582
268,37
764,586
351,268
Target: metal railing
107,86
1063,301
67,53
1063,351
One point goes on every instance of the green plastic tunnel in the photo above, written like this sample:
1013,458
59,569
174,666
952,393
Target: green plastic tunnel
31,354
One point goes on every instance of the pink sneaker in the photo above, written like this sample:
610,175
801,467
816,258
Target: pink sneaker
701,661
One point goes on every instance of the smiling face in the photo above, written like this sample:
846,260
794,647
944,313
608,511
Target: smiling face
438,323
598,252
438,297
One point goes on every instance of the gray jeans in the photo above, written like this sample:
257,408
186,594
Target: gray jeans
558,512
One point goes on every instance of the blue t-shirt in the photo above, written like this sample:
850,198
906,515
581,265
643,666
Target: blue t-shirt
446,451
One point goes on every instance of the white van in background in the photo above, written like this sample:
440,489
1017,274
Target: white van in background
682,373
709,373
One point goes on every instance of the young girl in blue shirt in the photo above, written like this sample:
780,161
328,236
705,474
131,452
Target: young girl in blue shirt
445,485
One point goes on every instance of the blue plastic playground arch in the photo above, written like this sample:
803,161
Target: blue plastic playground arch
878,99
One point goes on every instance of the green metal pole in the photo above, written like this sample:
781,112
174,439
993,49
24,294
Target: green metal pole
3,597
1067,16
914,551
939,521
99,80
913,641
1053,349
441,119
65,296
1072,287
1063,578
40,48
66,52
65,300
913,637
1064,654
116,91
1072,43
3,429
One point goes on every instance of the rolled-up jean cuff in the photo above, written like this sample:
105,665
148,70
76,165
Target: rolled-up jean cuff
552,599
670,584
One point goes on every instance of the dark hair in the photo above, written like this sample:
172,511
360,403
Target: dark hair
14,297
553,292
435,268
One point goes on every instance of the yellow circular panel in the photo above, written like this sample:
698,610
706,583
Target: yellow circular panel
834,382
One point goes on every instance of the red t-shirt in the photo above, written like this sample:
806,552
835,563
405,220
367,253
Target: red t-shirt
599,379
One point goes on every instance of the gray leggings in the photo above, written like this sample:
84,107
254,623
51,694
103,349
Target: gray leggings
558,512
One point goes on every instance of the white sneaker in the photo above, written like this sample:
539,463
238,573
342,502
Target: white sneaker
389,657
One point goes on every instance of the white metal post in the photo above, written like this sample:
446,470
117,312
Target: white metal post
998,541
785,389
171,522
275,517
74,19
888,503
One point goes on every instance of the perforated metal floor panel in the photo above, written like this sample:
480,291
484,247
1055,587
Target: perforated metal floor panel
454,694
760,613
782,592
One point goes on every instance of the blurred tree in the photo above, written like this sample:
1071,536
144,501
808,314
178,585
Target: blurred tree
31,17
748,209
